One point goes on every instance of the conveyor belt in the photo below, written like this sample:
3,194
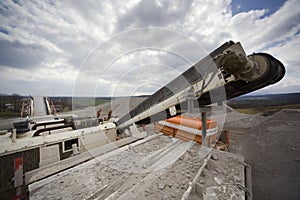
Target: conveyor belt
39,106
273,71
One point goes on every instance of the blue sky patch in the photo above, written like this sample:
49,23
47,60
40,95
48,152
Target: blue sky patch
272,6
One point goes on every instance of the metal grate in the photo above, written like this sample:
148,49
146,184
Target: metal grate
31,159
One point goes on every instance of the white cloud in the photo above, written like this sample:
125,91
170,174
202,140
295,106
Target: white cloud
256,33
288,53
47,41
288,85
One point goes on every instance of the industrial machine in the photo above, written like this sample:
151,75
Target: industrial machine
225,73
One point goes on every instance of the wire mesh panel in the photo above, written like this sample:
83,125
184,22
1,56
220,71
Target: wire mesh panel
31,159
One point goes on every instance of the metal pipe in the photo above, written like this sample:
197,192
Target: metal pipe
191,184
59,121
204,131
14,135
190,98
37,133
48,109
248,182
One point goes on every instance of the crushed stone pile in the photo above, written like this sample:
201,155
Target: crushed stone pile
234,119
157,168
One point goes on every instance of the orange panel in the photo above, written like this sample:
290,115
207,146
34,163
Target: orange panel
188,122
192,122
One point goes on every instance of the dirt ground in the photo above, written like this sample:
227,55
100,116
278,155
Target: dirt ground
271,146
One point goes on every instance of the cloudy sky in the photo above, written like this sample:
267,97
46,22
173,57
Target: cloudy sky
134,47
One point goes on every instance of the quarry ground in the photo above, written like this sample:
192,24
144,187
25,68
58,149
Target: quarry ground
270,145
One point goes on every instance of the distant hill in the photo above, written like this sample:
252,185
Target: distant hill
267,100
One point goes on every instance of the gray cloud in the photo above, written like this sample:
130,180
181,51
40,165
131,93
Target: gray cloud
17,55
50,46
154,13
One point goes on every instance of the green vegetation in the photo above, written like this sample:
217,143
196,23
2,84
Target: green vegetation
267,110
84,102
68,103
10,105
9,114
